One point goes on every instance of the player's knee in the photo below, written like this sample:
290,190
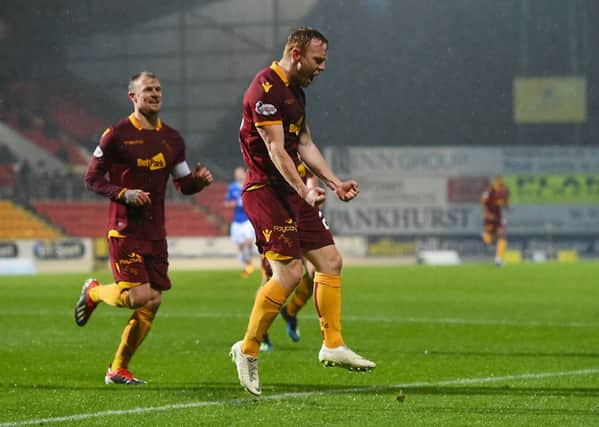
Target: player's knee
334,263
295,271
154,303
143,296
337,263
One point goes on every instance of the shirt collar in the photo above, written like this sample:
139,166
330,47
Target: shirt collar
277,69
138,125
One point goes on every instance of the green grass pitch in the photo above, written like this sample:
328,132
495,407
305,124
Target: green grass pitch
467,345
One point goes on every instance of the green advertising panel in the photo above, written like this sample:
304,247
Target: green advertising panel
554,189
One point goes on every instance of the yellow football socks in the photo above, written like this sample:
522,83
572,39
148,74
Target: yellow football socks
501,247
269,300
302,294
487,238
111,294
133,335
327,297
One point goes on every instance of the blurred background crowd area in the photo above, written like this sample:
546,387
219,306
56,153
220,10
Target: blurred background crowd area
400,73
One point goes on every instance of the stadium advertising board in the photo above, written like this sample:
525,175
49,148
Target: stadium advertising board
59,249
472,246
530,160
395,219
553,189
408,191
428,191
8,250
550,99
28,256
382,163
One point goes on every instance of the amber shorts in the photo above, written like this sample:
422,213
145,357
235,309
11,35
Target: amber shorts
135,261
285,225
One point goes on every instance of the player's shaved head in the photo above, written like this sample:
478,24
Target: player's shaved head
301,37
239,174
135,78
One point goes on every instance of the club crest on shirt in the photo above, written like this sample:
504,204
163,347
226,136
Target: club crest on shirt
266,86
265,109
267,234
98,153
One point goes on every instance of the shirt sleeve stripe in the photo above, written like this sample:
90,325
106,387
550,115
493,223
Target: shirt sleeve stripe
269,123
180,170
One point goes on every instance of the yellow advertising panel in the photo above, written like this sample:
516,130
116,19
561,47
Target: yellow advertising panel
550,100
554,189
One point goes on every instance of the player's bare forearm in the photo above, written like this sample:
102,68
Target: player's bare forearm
287,169
274,139
314,196
313,158
311,155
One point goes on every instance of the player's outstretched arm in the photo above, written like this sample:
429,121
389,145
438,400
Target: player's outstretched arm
311,155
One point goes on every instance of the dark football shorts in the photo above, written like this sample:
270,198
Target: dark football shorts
494,227
285,225
134,262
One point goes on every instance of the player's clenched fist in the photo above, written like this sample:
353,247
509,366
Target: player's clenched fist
136,197
347,190
202,175
315,196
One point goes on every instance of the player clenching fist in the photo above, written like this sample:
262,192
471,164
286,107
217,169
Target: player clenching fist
347,190
202,175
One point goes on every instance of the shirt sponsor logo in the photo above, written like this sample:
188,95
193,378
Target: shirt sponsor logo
155,163
134,142
98,153
266,86
296,127
265,109
284,228
132,258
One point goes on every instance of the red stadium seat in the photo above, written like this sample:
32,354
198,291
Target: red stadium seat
88,219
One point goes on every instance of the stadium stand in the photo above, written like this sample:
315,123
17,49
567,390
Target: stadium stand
212,198
62,131
74,120
18,223
7,175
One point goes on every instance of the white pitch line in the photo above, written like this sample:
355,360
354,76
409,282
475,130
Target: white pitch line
347,318
304,394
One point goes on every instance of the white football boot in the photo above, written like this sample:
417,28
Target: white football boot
343,357
247,369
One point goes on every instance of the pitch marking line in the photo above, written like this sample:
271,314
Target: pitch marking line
281,396
350,318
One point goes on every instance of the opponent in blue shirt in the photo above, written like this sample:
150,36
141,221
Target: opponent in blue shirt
242,232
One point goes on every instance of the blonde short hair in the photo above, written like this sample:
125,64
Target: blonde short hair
138,76
301,38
